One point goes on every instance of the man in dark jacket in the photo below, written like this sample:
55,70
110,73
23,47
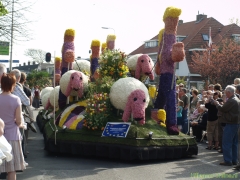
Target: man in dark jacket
230,116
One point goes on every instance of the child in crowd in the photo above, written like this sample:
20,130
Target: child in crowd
179,115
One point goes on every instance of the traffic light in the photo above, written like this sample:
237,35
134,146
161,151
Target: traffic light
48,57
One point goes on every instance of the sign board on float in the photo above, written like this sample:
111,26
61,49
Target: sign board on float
116,129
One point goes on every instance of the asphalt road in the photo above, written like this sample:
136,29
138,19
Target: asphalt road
44,166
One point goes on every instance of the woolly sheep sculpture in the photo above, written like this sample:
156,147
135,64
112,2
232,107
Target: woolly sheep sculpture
54,92
84,66
45,100
130,95
45,90
73,83
142,64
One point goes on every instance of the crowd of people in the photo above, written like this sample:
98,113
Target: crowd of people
18,100
213,114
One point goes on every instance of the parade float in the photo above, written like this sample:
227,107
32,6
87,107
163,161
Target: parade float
115,114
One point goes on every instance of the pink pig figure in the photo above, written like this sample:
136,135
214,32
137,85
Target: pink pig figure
144,66
135,105
75,83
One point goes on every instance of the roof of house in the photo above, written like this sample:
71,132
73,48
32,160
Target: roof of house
193,31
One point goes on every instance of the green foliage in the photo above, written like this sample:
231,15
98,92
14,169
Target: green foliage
181,80
3,10
40,78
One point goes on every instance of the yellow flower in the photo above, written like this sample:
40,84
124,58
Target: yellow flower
161,114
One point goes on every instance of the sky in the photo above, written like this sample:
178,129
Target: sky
132,21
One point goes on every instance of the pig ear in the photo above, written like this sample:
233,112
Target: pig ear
127,110
69,89
138,69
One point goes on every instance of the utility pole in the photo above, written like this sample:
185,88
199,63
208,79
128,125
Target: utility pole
10,62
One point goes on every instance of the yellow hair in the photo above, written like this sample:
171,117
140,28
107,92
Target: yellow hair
95,42
111,37
160,35
69,32
172,12
58,59
104,45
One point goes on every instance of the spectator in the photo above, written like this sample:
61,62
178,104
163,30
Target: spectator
180,121
200,123
238,166
18,90
211,87
184,98
10,112
217,87
193,100
212,122
2,70
236,81
230,116
36,99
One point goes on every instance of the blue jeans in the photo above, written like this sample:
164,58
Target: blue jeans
230,143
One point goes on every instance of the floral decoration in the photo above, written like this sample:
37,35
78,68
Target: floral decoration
113,63
97,111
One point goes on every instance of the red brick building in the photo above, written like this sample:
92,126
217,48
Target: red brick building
195,36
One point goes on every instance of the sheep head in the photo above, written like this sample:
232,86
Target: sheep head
75,83
136,105
144,66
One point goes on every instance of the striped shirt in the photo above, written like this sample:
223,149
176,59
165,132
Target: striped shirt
18,91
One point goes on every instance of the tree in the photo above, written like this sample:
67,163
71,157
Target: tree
40,78
18,11
219,65
3,10
37,55
233,21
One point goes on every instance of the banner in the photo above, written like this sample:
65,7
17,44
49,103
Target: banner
116,129
4,48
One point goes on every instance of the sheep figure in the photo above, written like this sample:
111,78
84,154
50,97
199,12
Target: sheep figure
130,95
83,66
54,92
142,64
46,101
73,83
45,90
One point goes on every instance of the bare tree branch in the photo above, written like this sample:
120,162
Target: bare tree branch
21,21
37,55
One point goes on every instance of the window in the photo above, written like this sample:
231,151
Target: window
205,37
180,38
150,44
177,65
236,38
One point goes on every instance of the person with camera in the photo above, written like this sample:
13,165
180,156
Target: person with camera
212,122
230,116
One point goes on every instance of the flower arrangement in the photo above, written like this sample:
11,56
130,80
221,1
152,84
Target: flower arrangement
97,111
113,63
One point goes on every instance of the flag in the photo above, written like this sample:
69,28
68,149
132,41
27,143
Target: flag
210,39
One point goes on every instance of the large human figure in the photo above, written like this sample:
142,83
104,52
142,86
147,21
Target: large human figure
68,57
169,53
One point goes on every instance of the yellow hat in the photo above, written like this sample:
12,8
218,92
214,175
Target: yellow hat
95,42
111,37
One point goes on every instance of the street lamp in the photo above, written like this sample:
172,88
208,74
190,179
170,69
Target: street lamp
108,28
